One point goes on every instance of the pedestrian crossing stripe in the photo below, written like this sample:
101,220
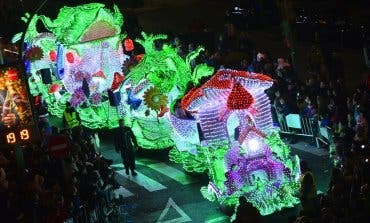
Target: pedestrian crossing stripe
218,219
144,181
121,191
167,170
170,203
118,165
173,173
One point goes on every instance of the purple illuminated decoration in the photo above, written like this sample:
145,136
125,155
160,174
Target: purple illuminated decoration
78,97
233,112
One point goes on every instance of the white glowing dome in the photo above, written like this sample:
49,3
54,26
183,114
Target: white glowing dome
253,145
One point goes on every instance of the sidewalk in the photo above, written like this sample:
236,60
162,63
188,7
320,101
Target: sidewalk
306,147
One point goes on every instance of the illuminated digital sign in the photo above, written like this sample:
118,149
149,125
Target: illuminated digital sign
17,136
16,121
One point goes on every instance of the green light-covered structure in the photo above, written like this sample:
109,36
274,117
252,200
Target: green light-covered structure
152,89
81,60
223,127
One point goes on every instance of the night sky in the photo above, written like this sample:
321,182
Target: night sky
12,10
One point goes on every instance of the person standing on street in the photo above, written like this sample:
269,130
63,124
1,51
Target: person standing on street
125,143
307,189
71,118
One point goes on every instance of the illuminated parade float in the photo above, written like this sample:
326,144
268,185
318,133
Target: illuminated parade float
152,90
79,60
224,127
237,142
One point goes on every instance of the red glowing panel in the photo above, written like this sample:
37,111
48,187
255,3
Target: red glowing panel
117,81
193,94
129,44
70,57
139,57
239,98
12,74
53,55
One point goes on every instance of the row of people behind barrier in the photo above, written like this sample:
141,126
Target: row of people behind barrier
323,111
56,185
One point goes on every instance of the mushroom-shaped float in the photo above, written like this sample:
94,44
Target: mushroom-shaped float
230,101
231,135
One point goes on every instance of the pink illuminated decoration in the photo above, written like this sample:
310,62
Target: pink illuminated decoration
140,86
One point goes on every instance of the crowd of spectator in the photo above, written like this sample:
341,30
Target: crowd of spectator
51,189
322,99
55,186
347,198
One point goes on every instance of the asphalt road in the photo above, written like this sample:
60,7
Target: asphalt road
163,193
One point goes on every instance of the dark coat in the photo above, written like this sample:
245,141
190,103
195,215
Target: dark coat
125,142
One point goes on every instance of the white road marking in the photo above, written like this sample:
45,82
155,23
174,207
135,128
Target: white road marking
173,173
123,192
118,165
184,217
144,181
218,219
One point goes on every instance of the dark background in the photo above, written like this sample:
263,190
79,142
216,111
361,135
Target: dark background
12,10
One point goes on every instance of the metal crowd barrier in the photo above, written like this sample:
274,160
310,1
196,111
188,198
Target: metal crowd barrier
95,215
325,134
296,124
99,214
